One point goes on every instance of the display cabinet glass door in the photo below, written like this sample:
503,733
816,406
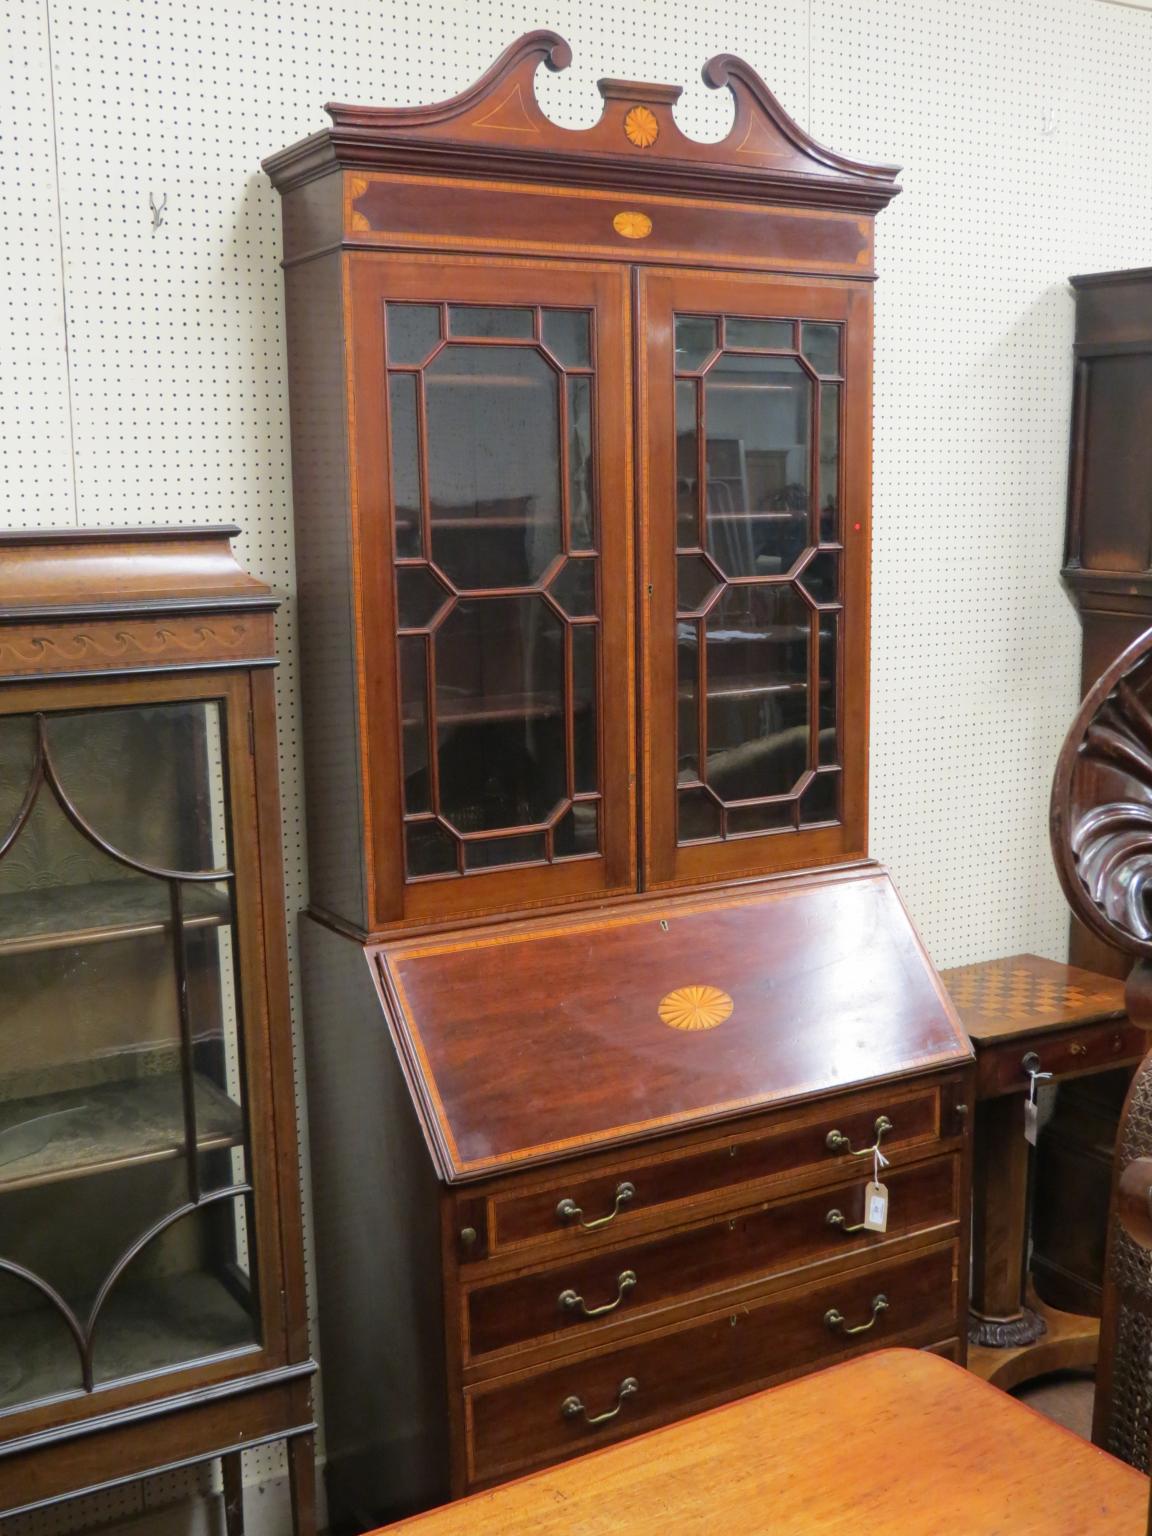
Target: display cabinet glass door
127,1237
509,595
756,536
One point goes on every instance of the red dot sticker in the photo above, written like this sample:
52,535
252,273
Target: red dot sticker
856,527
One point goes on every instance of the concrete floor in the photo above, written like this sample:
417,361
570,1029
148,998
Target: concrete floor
1065,1397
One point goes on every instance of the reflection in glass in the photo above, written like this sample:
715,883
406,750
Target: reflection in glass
419,596
773,335
821,799
772,816
688,703
17,761
406,498
829,490
829,708
493,464
687,467
757,639
581,492
566,332
413,330
489,852
584,691
820,344
699,815
574,588
577,830
695,583
821,576
500,712
428,849
414,711
695,341
484,320
758,415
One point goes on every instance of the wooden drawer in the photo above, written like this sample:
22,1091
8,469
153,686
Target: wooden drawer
524,1421
1085,1048
648,1275
721,1169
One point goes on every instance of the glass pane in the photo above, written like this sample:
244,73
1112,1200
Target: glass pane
148,780
695,582
493,465
695,341
829,712
481,320
771,817
821,800
586,775
687,467
821,576
574,588
829,463
419,596
568,334
820,344
500,712
775,335
413,330
699,815
758,413
687,710
581,481
491,851
577,831
122,1092
17,763
429,850
758,639
402,389
414,709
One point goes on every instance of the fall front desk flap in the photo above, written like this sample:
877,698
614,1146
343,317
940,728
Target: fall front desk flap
535,1041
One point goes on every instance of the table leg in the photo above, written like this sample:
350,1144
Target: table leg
232,1470
1000,1319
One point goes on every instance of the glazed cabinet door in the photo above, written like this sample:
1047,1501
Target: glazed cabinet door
492,471
754,476
138,1220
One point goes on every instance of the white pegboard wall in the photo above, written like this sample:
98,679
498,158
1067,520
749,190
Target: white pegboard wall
1026,134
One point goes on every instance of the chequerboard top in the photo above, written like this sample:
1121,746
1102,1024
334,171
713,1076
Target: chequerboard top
1025,993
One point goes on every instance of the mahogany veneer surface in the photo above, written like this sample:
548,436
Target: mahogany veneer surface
898,1443
575,1006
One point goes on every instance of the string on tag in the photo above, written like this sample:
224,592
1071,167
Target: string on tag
878,1161
1035,1077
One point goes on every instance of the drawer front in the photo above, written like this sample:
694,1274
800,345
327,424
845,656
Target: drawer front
1085,1049
573,1207
633,1281
545,1416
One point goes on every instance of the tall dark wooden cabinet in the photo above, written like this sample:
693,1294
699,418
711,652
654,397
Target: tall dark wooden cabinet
151,1274
608,1012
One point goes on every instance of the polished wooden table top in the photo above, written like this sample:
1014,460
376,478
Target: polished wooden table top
1026,995
897,1443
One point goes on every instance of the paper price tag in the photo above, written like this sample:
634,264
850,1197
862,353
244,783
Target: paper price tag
875,1207
1031,1121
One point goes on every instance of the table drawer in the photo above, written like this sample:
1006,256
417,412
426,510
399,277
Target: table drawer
547,1415
628,1282
577,1207
1086,1048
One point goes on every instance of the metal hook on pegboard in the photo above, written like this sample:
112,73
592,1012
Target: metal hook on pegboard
157,210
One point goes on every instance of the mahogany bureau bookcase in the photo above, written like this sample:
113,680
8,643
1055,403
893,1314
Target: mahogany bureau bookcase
608,1013
152,1308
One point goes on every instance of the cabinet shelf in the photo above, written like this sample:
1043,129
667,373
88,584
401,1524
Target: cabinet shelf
178,1319
84,1131
53,916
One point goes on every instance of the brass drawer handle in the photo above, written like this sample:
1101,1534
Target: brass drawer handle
570,1302
835,1218
573,1408
834,1318
836,1141
568,1210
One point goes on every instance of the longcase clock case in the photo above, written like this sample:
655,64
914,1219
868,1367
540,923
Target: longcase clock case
606,1005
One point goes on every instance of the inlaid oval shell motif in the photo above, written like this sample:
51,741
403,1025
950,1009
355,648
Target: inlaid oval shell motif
641,127
633,226
695,1008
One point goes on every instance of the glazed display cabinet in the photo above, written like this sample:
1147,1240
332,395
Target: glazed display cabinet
606,1007
150,1259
